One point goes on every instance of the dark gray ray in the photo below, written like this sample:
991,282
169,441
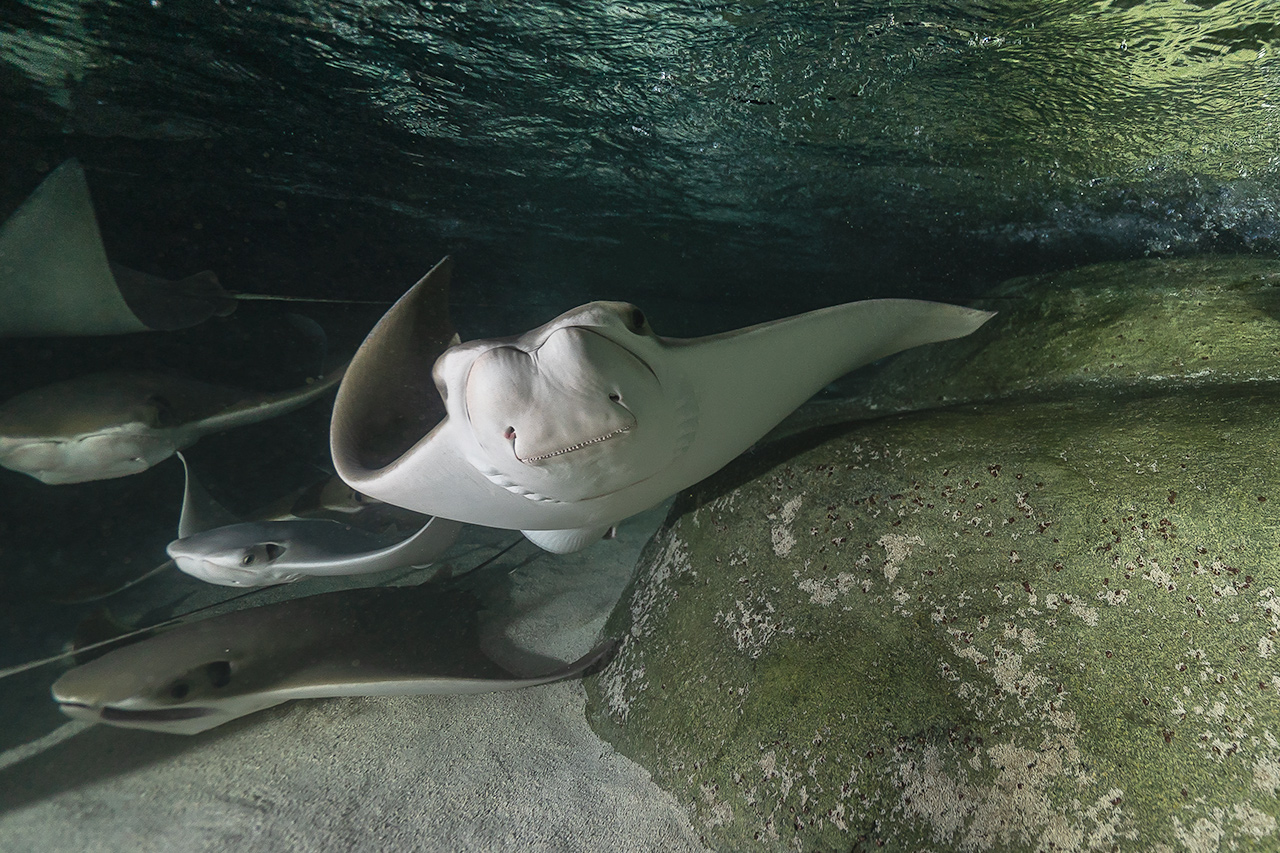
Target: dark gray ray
55,278
364,642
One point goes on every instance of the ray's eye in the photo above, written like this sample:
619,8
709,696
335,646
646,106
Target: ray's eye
264,552
179,689
635,321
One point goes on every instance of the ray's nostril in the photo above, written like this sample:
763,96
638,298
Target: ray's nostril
509,433
615,397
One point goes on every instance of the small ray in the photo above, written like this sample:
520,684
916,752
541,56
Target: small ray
56,279
114,424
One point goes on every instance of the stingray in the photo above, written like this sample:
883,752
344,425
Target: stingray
55,278
327,498
387,641
571,427
114,424
215,547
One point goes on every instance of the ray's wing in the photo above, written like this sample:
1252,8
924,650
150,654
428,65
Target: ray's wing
251,408
54,274
388,400
163,305
200,512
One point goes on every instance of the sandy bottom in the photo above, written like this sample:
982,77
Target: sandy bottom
503,771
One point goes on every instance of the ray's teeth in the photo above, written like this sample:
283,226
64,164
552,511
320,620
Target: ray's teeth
577,446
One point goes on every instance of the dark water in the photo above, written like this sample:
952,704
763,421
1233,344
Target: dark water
717,163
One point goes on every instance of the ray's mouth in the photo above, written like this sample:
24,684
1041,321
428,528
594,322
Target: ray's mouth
160,715
542,457
124,715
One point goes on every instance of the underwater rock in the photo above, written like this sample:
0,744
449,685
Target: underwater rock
1047,626
1028,625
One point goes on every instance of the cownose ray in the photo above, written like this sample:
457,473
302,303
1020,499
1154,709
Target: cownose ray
571,427
383,641
114,424
219,549
56,279
326,498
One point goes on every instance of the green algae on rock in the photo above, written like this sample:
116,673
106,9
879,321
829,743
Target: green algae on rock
1049,625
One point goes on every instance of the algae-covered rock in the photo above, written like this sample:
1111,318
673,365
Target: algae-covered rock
1047,626
1046,621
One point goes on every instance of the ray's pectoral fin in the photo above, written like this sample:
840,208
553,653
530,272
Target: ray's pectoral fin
165,305
261,407
567,541
54,274
388,401
423,548
591,663
200,512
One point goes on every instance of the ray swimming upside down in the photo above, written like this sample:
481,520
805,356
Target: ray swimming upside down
579,423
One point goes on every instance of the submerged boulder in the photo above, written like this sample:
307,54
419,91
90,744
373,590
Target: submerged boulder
1038,625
